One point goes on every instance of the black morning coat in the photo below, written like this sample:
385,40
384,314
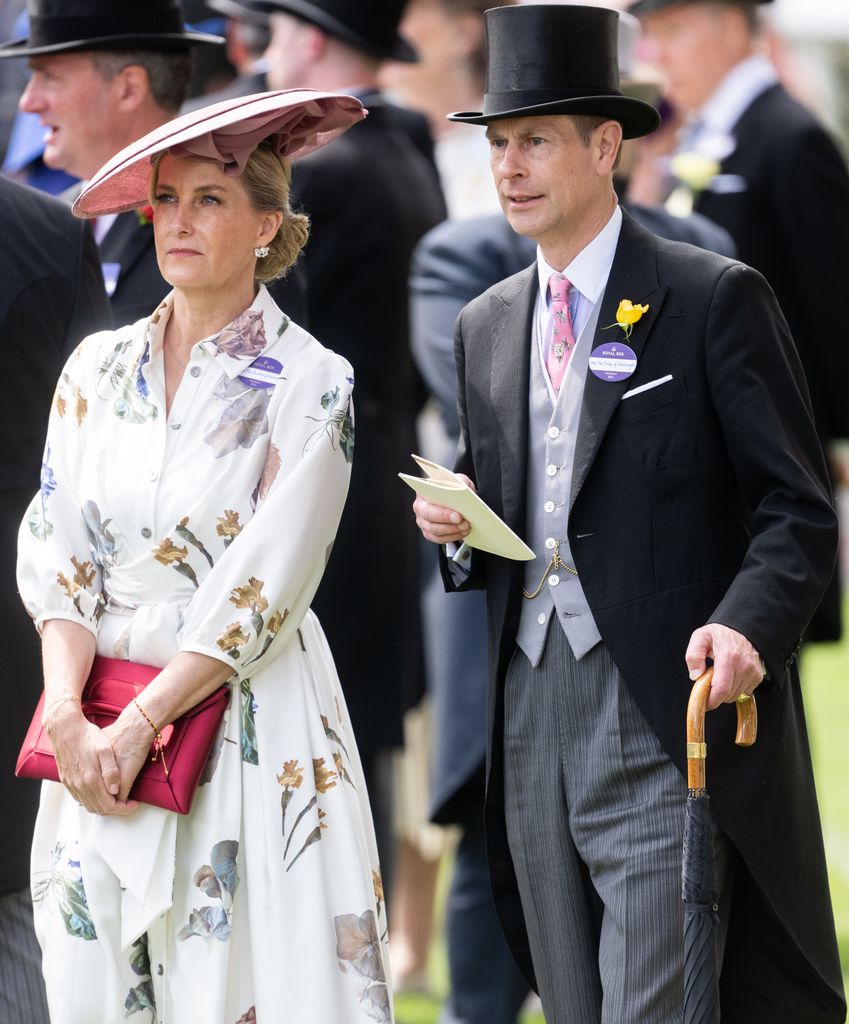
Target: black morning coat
704,499
51,297
370,196
785,203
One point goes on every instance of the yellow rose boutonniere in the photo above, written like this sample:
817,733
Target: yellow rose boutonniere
628,314
695,170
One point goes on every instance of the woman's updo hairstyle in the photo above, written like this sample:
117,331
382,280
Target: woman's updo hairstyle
267,179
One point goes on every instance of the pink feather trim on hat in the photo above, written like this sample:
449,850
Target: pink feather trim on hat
298,121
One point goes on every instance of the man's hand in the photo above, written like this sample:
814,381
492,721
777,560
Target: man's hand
440,524
737,666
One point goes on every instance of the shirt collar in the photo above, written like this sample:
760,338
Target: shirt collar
589,270
251,334
735,93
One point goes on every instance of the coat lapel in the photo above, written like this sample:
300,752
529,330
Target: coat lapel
633,276
511,313
126,242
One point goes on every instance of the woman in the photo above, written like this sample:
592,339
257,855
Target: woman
195,471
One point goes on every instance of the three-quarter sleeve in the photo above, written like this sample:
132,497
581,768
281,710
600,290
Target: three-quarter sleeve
59,577
253,599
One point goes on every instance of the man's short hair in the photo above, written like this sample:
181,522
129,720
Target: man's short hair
168,72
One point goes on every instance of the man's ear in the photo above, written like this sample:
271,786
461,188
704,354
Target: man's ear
608,140
132,87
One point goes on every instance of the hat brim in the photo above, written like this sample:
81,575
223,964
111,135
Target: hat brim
233,9
127,41
636,117
397,49
123,183
641,7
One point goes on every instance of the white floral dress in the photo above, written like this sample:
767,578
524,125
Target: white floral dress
208,530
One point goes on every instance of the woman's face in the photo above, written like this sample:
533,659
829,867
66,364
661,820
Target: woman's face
205,227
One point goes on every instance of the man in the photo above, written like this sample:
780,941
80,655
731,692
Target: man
102,76
680,509
247,40
370,197
778,184
51,297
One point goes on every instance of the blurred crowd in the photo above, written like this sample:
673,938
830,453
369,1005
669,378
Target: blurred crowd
406,229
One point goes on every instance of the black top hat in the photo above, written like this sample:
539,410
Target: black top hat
370,25
553,59
639,7
64,26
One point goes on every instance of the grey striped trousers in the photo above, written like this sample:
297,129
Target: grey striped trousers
595,816
22,996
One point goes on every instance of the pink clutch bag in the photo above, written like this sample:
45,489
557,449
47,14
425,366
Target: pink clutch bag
185,747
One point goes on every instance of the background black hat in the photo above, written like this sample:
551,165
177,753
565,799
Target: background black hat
241,10
370,25
556,59
639,7
64,26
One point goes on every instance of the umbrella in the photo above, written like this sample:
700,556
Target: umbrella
698,884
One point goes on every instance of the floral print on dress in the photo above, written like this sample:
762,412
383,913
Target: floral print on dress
359,954
269,475
337,426
127,382
141,996
248,708
107,548
244,338
70,399
290,779
64,884
219,880
39,524
242,416
167,552
228,526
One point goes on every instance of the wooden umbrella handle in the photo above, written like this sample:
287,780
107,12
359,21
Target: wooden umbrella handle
747,727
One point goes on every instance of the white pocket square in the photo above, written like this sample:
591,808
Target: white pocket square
647,387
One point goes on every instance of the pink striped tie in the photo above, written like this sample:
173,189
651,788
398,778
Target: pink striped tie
562,340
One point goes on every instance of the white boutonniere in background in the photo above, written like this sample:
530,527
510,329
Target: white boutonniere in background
694,172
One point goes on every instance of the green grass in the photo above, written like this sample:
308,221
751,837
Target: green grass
825,671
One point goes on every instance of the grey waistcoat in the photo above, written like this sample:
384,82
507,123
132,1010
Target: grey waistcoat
551,454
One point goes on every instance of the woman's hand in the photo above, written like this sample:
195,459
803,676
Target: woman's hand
86,761
131,737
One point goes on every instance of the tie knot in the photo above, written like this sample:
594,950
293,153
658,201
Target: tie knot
559,287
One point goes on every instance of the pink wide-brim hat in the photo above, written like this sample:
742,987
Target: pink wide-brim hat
299,121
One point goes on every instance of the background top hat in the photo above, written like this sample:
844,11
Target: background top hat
639,7
241,10
65,26
556,59
369,25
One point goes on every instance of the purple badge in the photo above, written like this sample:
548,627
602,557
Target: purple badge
613,361
262,373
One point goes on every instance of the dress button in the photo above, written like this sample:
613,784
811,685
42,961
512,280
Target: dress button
551,470
541,618
154,476
549,506
145,531
553,432
553,580
176,426
195,371
550,542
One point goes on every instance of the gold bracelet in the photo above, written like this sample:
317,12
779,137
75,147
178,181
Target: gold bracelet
55,703
159,742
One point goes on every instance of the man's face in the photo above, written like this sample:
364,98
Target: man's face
550,185
77,106
693,46
287,52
